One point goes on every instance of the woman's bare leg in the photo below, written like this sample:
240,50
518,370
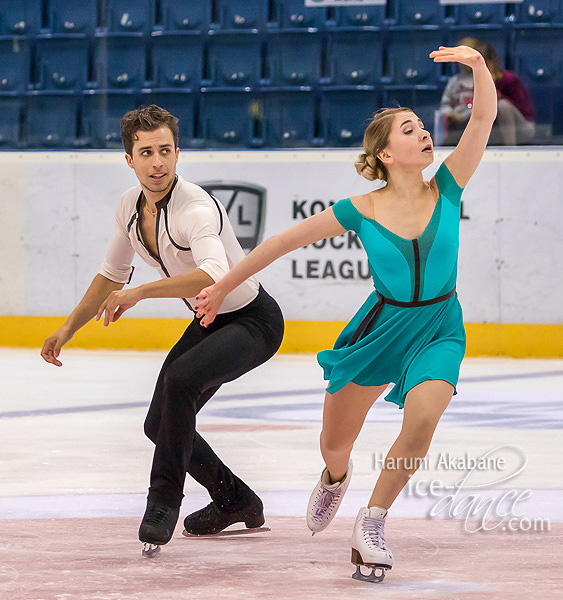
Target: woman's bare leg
343,416
424,406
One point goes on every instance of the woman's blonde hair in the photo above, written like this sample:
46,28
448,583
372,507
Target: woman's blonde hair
376,138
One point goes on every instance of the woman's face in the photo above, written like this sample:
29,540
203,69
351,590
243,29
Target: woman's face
409,143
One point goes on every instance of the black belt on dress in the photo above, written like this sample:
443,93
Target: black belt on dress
372,315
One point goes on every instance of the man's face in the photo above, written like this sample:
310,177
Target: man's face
154,160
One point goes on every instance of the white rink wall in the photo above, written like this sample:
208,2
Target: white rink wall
57,211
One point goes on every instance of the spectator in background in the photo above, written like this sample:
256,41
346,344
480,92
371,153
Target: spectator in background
515,121
516,115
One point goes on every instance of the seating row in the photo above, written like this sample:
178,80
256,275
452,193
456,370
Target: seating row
283,59
24,17
211,118
222,118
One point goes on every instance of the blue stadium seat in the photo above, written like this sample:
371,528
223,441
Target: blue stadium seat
176,60
62,62
51,119
229,118
127,16
293,58
179,15
119,61
354,57
234,59
540,12
102,111
418,13
543,98
547,99
557,122
538,54
482,15
421,99
242,14
72,16
20,17
346,112
289,118
290,14
181,103
359,16
10,119
407,57
14,65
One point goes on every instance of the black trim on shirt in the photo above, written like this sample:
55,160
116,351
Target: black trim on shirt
165,211
136,213
220,213
164,202
160,258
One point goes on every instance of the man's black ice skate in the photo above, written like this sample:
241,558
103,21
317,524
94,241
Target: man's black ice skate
211,520
157,526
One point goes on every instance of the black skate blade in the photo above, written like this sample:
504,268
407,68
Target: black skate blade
370,577
150,550
228,532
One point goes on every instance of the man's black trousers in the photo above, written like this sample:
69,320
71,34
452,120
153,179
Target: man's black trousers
196,367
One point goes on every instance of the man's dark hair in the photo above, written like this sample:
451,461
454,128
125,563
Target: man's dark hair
146,118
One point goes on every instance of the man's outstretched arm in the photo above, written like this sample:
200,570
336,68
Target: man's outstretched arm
100,288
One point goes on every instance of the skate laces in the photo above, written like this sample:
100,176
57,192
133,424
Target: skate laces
373,531
157,514
207,512
327,498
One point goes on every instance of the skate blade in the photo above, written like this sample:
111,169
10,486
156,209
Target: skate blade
370,577
150,550
228,532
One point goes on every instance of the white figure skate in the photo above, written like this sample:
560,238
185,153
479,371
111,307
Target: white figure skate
368,545
325,500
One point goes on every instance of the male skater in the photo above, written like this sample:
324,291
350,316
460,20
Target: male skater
176,227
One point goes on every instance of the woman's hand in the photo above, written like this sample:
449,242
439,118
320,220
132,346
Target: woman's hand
117,303
209,302
461,54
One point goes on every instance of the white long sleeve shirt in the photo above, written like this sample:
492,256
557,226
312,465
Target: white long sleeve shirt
193,231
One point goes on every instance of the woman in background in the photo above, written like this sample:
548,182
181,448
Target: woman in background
515,120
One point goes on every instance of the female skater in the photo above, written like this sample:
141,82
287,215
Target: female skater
410,329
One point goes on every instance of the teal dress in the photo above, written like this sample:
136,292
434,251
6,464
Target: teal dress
410,329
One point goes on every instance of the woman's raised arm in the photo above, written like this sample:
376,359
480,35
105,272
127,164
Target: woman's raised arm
463,161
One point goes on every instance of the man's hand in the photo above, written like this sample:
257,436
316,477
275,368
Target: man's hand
52,346
117,303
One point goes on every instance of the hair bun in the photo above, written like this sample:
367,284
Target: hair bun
365,167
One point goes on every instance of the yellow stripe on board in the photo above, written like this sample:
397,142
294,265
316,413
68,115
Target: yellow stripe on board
483,339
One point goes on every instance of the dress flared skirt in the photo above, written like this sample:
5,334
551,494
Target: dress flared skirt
405,346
